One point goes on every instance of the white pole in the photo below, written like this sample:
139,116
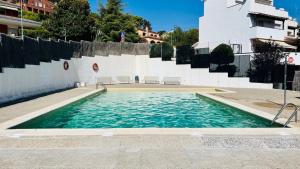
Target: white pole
22,29
285,79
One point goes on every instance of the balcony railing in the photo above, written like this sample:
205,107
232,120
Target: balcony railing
17,21
268,33
268,10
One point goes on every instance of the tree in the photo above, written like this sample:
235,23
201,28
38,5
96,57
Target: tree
71,18
112,21
191,37
161,32
146,24
31,16
182,38
35,32
266,57
222,55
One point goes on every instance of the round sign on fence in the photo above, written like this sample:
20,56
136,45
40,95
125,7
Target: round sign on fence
95,67
291,60
66,65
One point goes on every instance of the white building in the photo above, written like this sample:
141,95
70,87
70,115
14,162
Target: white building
244,24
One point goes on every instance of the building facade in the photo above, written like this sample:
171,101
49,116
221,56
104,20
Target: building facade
10,22
149,36
39,6
243,24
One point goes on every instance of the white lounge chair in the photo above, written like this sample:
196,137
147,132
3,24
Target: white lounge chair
124,80
106,80
151,80
172,80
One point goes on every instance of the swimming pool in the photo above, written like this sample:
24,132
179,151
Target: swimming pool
146,110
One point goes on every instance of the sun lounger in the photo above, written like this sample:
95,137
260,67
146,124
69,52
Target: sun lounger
151,80
172,80
124,79
105,80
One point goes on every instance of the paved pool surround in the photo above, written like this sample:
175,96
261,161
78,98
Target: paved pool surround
147,148
200,91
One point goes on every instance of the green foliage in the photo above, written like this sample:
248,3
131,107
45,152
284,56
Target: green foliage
141,23
222,55
161,32
112,21
73,19
181,38
191,37
230,69
184,54
163,50
266,57
39,32
33,16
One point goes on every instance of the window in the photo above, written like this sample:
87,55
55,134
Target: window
3,29
264,2
237,48
2,11
260,23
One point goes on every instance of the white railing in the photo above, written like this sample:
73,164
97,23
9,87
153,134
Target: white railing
268,33
17,21
267,10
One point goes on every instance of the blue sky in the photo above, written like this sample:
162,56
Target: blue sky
165,14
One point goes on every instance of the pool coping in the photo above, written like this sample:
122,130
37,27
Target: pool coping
250,110
211,90
196,132
21,119
5,131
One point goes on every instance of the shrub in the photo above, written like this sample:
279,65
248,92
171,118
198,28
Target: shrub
184,54
231,69
222,55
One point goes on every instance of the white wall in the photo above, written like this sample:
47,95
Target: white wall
47,77
295,57
35,79
226,21
129,65
222,24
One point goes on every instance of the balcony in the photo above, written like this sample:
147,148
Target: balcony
15,21
267,10
267,33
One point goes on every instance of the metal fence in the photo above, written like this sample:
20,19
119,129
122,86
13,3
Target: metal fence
16,52
296,81
243,65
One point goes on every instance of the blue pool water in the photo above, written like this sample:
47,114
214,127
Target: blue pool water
146,110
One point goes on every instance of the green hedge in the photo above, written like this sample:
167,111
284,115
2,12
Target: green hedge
163,50
184,54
